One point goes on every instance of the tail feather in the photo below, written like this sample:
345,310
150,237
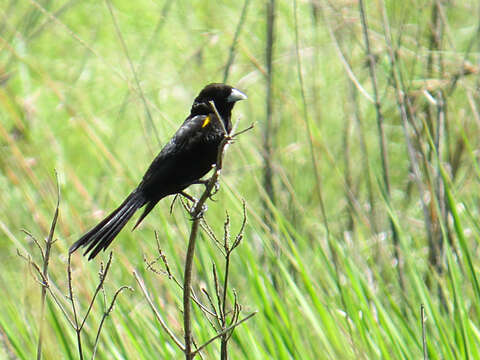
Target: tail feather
148,208
100,237
103,241
110,226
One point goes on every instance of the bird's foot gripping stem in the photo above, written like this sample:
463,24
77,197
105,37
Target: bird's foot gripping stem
215,189
198,214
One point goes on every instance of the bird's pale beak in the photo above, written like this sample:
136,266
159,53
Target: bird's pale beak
236,95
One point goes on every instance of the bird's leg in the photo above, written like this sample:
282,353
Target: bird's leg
200,181
195,202
189,197
215,188
173,203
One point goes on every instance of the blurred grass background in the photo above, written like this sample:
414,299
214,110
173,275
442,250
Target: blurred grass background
400,222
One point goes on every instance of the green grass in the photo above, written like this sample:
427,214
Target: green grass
69,102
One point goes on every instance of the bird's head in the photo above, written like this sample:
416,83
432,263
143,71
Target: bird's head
223,96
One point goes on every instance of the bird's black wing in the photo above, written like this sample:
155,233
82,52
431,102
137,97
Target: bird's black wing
184,159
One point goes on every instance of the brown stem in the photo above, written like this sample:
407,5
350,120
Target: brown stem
186,290
104,317
46,258
224,341
74,308
196,214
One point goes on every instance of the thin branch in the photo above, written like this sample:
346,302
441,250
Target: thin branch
28,259
61,307
236,312
239,236
201,347
103,276
46,259
163,257
45,283
228,249
74,308
250,127
209,298
209,231
217,291
157,313
35,241
105,314
149,265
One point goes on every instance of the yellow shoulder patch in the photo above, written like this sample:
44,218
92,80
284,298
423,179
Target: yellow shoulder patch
206,121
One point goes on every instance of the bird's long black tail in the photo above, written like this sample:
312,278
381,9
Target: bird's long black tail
102,235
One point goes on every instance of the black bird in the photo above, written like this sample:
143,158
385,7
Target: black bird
187,157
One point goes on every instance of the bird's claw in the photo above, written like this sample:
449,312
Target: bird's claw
197,214
215,189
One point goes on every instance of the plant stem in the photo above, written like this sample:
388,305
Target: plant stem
224,341
196,214
46,258
186,290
